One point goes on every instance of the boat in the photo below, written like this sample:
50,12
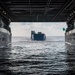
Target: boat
38,36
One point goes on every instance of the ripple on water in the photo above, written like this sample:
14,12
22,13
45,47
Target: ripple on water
35,58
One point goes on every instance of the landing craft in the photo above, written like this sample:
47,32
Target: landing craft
38,36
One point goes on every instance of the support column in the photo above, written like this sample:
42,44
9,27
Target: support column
5,33
70,26
70,32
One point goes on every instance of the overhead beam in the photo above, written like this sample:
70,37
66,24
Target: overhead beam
47,7
7,11
33,6
30,6
3,15
23,9
73,6
71,16
67,4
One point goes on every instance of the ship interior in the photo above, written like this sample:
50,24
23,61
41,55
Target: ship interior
39,11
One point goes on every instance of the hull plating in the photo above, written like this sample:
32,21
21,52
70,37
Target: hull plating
5,38
70,39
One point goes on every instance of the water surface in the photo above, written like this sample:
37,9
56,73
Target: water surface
28,57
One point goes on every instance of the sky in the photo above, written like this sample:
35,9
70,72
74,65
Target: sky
49,28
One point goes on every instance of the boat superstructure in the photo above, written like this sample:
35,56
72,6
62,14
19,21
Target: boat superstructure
38,36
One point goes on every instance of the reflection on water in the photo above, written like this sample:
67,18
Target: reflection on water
4,61
37,58
71,59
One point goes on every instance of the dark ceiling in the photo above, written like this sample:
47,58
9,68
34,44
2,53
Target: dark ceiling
37,10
